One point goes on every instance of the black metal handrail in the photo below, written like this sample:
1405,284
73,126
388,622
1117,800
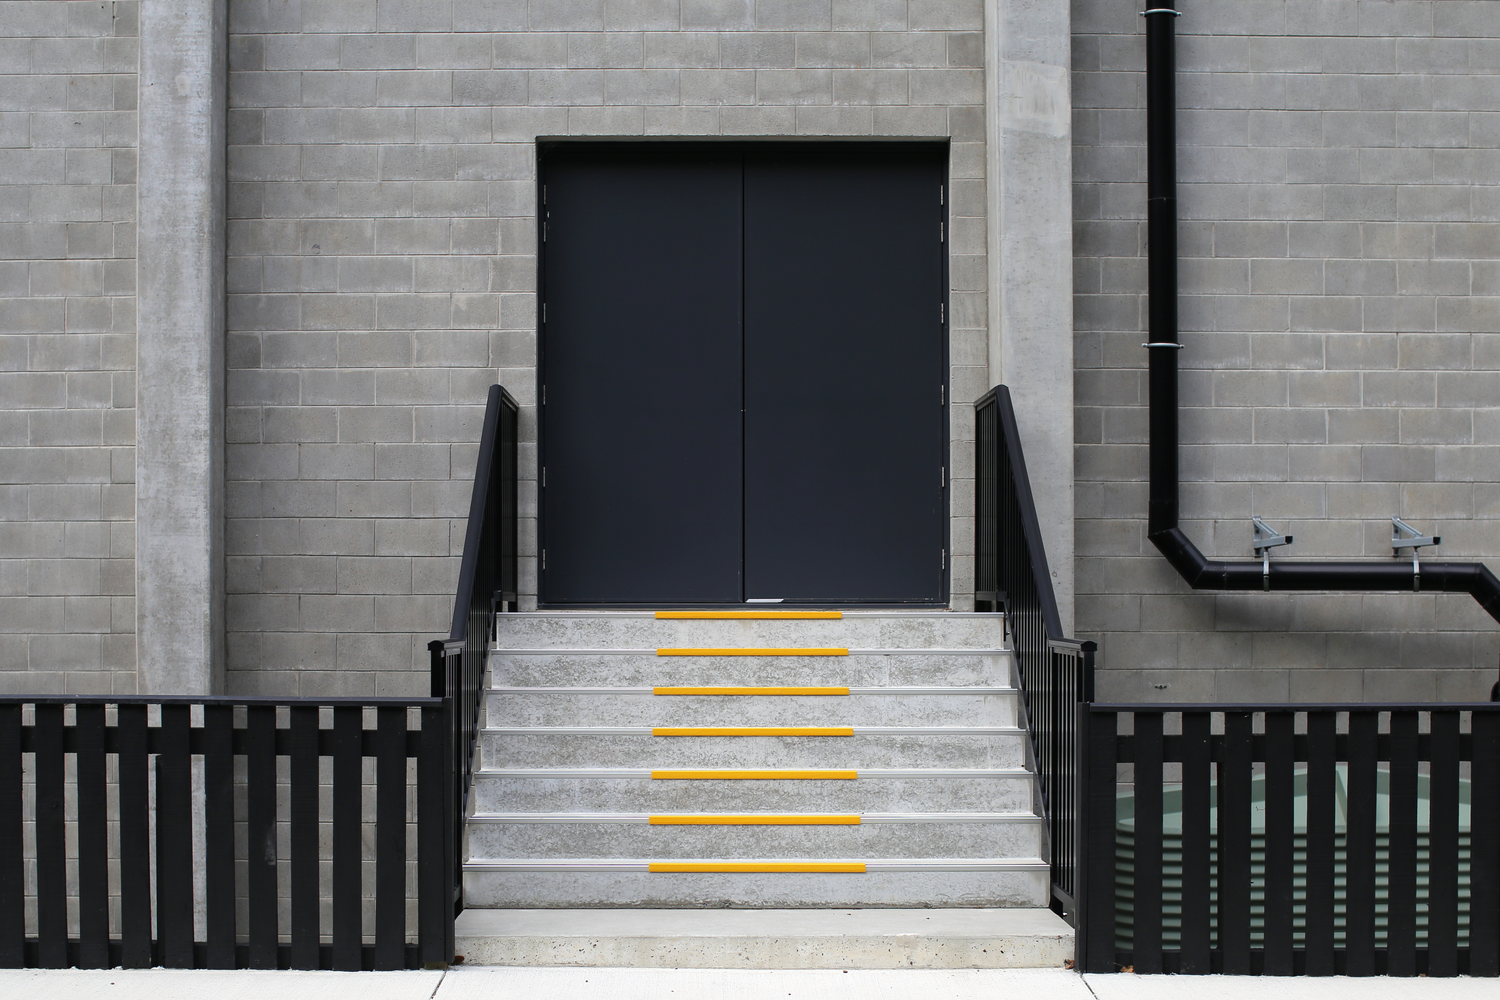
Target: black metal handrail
1055,672
1200,859
487,582
159,737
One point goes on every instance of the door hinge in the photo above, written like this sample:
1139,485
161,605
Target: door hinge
942,232
942,312
940,192
544,312
544,477
544,395
944,562
544,232
943,477
942,394
544,559
544,194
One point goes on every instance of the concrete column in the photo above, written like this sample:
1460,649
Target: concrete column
179,558
1030,190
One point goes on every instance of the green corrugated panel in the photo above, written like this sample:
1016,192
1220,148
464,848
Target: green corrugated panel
1172,863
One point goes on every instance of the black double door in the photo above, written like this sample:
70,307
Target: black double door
743,359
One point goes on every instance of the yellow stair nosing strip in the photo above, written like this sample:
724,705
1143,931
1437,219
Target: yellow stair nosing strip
771,615
751,651
752,731
779,691
751,867
754,775
753,820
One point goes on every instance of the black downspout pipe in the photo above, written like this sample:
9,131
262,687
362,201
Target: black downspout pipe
1471,578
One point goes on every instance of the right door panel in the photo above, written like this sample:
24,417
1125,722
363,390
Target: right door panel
845,465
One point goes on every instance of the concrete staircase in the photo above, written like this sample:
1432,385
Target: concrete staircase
871,759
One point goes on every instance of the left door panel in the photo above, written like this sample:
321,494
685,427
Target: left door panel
641,354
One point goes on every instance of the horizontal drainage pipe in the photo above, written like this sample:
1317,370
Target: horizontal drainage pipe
1201,573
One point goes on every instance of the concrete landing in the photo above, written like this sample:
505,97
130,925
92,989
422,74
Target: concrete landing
999,938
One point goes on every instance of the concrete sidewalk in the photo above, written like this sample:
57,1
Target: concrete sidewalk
492,983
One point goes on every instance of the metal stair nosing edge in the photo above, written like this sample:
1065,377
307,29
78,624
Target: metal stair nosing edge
872,865
639,773
868,818
652,651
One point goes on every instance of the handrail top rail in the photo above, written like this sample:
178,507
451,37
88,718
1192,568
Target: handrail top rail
255,701
1151,708
1080,645
497,397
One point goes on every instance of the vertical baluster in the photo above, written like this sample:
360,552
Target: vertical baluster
260,792
1322,750
12,888
218,815
93,839
51,873
348,735
1280,840
1442,872
304,836
135,838
1100,730
390,838
1146,952
434,902
1234,844
174,843
1401,927
1359,918
1197,765
1484,824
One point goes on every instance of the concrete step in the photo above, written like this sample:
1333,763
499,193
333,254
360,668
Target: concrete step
637,706
627,629
995,747
881,835
767,939
642,667
916,883
558,790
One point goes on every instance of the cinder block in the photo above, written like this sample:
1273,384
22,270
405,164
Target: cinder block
717,15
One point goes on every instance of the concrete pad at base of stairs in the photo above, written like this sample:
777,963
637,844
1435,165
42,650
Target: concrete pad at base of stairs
175,984
492,983
993,938
1125,986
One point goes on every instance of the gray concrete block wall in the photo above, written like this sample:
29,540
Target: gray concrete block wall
382,265
1341,311
67,346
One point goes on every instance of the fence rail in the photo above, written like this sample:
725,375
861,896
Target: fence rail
169,765
1219,839
1055,672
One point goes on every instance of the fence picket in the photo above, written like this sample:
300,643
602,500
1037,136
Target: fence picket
51,872
1359,917
1442,872
348,846
260,833
1401,928
1146,937
1322,751
12,888
1196,764
218,832
304,836
1099,788
390,838
135,843
1234,844
93,839
174,845
432,841
1484,846
1280,841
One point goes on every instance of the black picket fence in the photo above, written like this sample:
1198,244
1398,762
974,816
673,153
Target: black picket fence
1055,673
115,769
1290,839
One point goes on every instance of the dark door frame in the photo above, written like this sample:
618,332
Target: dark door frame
546,145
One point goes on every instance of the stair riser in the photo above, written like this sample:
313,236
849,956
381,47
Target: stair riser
641,889
642,795
949,630
664,843
649,670
649,710
751,752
